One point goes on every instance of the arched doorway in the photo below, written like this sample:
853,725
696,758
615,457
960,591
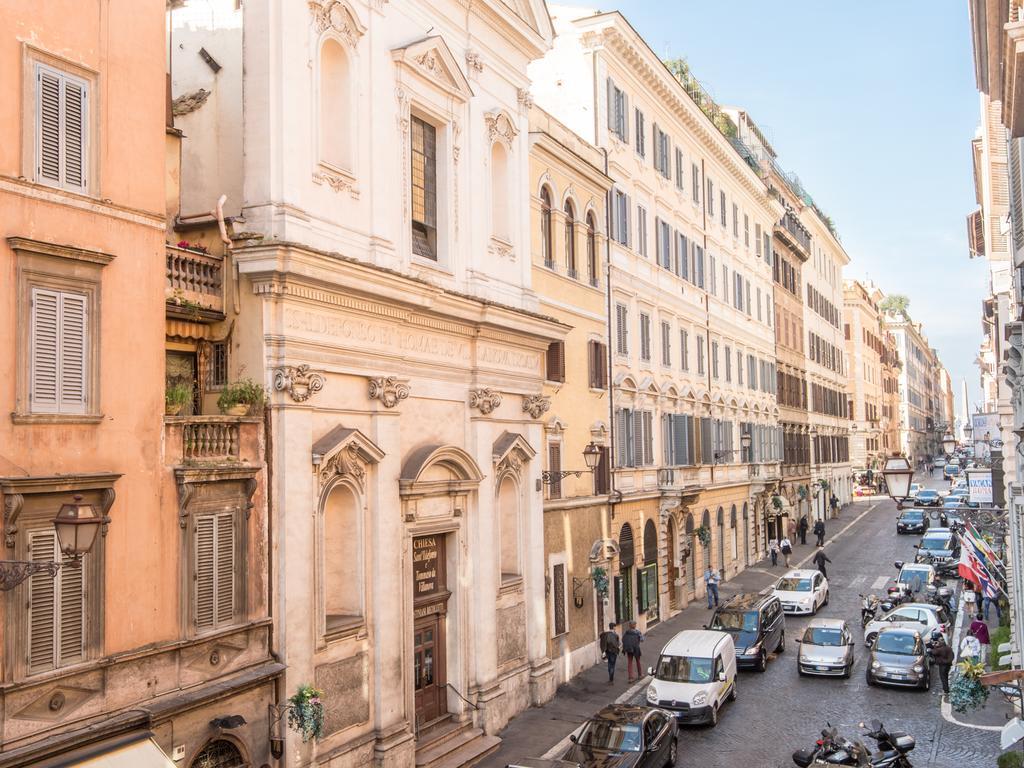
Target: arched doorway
746,535
735,534
706,524
690,564
219,753
673,574
720,521
624,581
647,577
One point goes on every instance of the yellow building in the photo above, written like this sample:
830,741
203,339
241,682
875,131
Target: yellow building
568,193
865,348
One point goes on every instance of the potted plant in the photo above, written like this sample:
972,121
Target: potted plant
777,503
241,398
306,712
967,691
600,578
176,396
704,534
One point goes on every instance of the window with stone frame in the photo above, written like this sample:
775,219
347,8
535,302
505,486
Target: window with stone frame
424,188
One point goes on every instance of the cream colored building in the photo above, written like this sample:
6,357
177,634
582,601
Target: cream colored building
918,440
865,351
568,190
379,221
693,355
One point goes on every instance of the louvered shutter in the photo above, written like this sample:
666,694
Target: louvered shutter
48,123
679,438
74,134
42,604
61,129
205,572
621,329
648,438
44,394
637,439
225,570
625,118
707,450
71,578
73,352
691,441
611,106
621,434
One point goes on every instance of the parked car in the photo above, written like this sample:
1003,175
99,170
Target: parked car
927,497
757,625
914,577
912,521
920,617
938,547
826,648
802,591
695,676
625,737
950,471
899,658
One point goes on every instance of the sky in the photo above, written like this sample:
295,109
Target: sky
873,105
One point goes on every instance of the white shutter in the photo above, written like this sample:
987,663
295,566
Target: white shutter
75,112
44,392
225,568
73,352
42,604
611,106
61,132
205,569
48,88
72,588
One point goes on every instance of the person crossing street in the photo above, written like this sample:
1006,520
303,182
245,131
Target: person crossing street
819,531
819,559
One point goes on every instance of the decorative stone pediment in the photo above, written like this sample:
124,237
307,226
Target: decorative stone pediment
298,381
510,452
536,405
339,16
500,127
555,426
344,452
432,59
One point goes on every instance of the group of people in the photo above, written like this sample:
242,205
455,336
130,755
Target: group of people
784,546
612,646
976,642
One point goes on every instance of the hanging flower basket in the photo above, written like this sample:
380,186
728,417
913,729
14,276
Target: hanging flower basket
802,492
600,578
824,484
704,535
306,713
777,503
967,691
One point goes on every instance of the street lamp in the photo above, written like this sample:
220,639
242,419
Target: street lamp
76,525
591,457
898,477
948,444
745,441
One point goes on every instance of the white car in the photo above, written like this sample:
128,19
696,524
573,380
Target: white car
802,591
920,617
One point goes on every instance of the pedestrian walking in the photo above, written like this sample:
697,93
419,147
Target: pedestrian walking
980,630
970,648
610,650
994,602
819,559
711,580
942,655
773,550
791,528
834,503
787,549
631,640
819,531
978,598
803,529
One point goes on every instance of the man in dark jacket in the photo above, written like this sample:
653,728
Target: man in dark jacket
802,528
942,655
819,531
610,650
631,640
819,559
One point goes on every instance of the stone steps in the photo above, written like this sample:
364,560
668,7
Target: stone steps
455,746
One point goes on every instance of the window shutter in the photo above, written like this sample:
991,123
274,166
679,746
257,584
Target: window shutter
48,86
73,340
225,570
637,439
205,572
44,392
625,118
611,106
681,453
42,604
72,611
74,134
648,437
555,466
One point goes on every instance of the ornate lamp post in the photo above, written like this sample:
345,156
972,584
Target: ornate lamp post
76,525
898,477
745,442
948,444
591,457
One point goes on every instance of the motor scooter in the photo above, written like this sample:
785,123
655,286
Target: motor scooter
832,749
868,608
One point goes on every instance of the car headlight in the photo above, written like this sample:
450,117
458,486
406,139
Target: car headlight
652,694
875,665
755,648
919,667
700,698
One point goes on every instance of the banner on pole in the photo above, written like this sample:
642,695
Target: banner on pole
985,428
979,486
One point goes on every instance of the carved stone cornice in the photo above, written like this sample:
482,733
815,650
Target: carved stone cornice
343,453
389,390
16,489
298,381
536,405
485,400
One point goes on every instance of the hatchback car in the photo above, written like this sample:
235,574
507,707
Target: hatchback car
912,521
927,497
826,648
938,547
802,591
920,617
625,737
899,658
757,625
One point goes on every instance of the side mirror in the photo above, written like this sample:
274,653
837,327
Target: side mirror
899,564
721,677
705,626
650,671
572,737
798,641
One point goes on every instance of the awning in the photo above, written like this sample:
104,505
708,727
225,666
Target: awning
135,751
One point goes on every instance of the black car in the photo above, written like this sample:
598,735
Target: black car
928,497
757,625
621,736
912,521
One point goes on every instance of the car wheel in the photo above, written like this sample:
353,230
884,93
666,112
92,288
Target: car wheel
714,715
847,670
762,661
826,598
673,750
781,647
867,676
732,692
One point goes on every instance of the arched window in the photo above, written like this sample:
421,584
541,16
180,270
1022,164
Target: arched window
219,753
335,107
721,539
500,199
706,522
342,559
508,529
546,245
691,564
735,535
592,249
570,239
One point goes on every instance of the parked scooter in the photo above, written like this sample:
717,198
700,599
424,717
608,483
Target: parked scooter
832,749
868,608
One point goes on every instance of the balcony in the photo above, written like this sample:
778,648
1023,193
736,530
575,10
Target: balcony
202,441
794,233
1013,73
195,285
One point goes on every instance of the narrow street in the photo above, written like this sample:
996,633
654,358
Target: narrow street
779,711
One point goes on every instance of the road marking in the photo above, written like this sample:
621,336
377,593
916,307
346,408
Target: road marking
880,582
857,581
563,745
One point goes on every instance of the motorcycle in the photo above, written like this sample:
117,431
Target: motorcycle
832,749
868,608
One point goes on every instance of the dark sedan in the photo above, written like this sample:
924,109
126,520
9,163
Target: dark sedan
911,521
621,736
928,497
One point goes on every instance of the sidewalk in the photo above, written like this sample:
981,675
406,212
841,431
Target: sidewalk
995,713
538,730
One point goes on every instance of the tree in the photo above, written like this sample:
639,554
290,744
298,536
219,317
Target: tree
895,304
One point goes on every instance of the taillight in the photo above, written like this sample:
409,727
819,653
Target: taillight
819,742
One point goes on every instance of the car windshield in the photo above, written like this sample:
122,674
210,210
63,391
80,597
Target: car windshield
734,621
610,737
793,585
952,469
823,636
910,575
684,669
899,643
913,514
927,493
935,543
951,503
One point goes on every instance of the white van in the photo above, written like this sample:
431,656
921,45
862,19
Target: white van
696,674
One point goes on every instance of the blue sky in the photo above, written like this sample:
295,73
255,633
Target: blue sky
873,105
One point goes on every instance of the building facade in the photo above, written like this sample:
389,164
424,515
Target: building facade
692,360
160,635
384,299
866,381
568,193
918,440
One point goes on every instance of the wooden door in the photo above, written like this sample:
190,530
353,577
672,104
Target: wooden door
428,669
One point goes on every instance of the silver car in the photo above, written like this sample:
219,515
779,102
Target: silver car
826,648
921,617
899,658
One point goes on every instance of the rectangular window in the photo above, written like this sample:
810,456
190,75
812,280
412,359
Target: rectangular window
747,283
711,198
767,248
701,367
721,208
641,135
620,219
695,178
735,220
679,170
759,304
757,239
618,111
558,591
624,438
666,343
713,274
714,359
61,129
662,152
645,336
59,360
684,350
682,256
739,367
664,243
603,472
641,230
728,364
621,329
424,189
217,370
555,362
214,575
746,230
57,618
698,265
597,356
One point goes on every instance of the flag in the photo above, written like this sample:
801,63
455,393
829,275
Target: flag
982,549
973,568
